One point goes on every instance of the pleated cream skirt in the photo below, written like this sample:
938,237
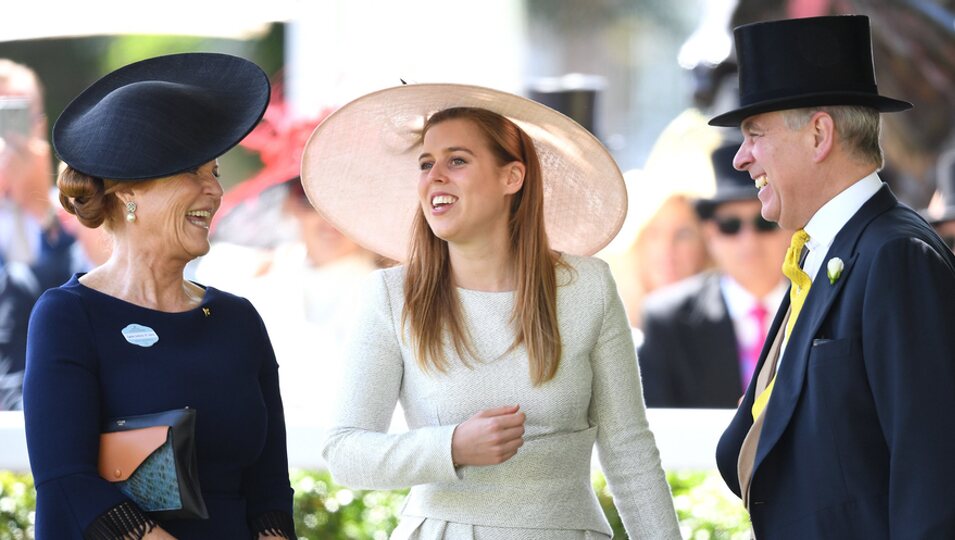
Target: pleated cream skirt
416,528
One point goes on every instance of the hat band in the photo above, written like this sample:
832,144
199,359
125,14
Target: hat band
784,93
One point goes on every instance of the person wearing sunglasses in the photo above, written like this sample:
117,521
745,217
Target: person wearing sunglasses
703,336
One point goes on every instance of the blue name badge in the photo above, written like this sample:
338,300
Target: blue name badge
138,334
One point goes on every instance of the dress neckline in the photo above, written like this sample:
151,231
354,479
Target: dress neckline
209,293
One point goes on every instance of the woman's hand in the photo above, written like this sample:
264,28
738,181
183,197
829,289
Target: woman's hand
158,534
490,437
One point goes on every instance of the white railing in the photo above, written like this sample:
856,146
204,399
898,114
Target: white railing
686,439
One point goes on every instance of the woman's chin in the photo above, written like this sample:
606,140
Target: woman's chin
442,233
197,249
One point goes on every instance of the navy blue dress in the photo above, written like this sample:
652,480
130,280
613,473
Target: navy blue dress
217,359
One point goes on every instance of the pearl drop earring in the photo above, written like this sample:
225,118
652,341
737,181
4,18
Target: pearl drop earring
130,211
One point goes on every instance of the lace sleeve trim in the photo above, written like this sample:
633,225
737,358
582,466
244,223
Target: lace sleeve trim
124,521
275,523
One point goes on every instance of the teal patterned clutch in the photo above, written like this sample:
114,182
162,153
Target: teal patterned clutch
154,486
152,460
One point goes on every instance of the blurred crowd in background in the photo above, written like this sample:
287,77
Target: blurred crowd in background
698,268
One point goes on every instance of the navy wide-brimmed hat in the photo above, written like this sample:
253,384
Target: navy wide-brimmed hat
811,62
731,185
161,116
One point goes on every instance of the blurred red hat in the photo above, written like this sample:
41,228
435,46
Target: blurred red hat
279,140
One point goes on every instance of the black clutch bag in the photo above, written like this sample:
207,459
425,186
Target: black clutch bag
151,458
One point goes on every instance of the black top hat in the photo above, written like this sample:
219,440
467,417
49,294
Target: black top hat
161,116
794,63
731,185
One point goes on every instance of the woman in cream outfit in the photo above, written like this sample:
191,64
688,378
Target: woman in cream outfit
510,352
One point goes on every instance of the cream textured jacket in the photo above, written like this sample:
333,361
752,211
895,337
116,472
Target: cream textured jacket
595,397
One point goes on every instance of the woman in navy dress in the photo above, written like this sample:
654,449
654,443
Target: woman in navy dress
133,336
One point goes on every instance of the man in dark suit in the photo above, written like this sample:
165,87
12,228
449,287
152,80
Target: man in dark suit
703,335
846,430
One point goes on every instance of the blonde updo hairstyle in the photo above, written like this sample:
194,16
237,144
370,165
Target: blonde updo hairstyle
92,200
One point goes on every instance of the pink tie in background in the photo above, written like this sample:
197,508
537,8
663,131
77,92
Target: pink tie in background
750,354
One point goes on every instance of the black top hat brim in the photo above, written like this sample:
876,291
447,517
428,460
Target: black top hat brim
161,116
822,99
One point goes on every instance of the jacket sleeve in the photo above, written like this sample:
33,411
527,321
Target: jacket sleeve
909,354
266,483
359,451
62,415
657,378
625,445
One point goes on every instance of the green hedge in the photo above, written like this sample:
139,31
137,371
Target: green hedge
17,501
323,510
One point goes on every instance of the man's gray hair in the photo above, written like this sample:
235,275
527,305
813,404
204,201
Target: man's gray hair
858,128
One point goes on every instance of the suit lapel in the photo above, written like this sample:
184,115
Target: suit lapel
747,452
716,341
792,370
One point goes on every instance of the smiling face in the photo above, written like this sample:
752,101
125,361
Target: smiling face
465,194
778,157
173,214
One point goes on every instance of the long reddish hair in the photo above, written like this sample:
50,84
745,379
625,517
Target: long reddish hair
431,305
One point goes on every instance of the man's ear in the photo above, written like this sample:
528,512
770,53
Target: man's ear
823,130
514,177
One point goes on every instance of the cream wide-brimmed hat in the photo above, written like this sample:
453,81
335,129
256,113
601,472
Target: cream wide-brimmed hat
360,167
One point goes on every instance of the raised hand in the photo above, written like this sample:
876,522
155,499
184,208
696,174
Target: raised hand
490,437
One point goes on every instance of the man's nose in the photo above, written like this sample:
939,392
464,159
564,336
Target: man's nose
743,159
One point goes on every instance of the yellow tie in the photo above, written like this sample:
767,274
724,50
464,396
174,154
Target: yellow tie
797,295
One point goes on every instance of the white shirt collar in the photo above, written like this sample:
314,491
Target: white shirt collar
739,301
828,221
